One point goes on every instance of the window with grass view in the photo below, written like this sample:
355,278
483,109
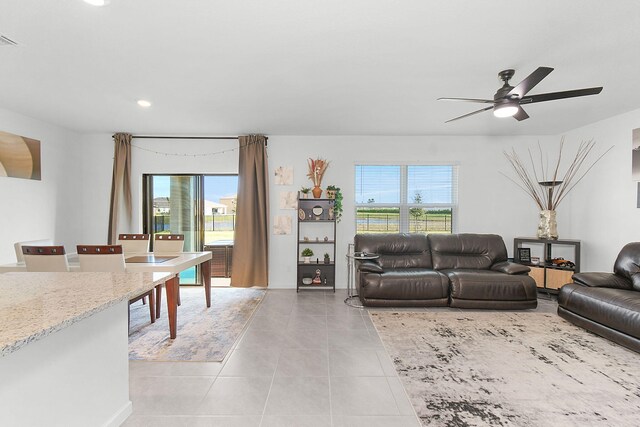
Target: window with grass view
405,198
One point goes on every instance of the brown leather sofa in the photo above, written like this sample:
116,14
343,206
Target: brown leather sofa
457,270
607,304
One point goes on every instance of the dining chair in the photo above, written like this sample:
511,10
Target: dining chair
18,246
168,244
45,258
134,243
109,258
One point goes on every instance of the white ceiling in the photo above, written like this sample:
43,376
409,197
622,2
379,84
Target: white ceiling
313,67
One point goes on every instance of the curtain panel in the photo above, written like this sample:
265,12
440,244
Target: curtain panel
120,183
251,243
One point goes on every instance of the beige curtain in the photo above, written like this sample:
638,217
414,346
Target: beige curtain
251,242
120,183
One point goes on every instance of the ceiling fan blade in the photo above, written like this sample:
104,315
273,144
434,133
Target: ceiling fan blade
485,101
560,95
470,114
520,115
528,83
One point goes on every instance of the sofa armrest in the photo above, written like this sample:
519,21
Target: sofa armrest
601,280
510,268
370,267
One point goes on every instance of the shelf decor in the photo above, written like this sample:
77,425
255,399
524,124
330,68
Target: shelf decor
317,230
546,185
317,168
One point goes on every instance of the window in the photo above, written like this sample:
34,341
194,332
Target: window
405,198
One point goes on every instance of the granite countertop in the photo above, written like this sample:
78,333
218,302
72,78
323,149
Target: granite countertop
34,305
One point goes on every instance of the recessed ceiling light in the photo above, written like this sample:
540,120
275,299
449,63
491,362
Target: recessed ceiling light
97,2
144,103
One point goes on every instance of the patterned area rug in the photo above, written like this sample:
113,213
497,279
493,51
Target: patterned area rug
510,369
204,334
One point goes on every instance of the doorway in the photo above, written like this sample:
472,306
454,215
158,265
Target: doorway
203,208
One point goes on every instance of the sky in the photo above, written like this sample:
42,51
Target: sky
215,186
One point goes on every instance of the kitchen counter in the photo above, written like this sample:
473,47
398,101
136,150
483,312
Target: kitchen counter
34,305
64,347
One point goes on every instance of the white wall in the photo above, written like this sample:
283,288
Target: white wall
32,210
603,212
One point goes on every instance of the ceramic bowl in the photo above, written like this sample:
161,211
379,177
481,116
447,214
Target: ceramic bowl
306,280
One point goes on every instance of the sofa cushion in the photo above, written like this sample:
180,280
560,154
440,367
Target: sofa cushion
602,280
370,267
618,309
510,268
466,251
490,285
627,264
404,284
396,250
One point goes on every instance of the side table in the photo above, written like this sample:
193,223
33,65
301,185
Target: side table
352,299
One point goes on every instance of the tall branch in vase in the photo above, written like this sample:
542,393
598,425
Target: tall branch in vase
546,185
317,168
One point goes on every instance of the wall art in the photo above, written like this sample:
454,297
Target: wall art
288,200
284,175
281,224
19,156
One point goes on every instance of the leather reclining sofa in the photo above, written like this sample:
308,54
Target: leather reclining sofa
457,270
607,304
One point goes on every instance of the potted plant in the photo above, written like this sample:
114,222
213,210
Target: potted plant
307,253
327,259
304,192
317,168
337,201
331,191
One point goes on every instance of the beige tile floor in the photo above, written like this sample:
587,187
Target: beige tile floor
305,359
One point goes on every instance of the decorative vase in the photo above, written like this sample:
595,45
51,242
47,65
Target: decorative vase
307,260
304,195
548,226
317,192
327,261
331,194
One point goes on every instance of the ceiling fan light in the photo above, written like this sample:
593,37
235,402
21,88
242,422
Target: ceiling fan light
505,110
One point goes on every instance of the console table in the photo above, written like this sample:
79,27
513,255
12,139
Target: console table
548,276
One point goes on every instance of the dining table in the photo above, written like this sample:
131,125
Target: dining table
148,262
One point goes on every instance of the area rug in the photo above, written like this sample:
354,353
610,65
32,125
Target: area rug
204,334
510,369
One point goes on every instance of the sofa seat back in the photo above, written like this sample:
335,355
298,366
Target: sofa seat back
396,250
466,251
627,264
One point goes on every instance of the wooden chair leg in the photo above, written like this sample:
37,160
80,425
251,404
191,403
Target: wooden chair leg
158,300
152,307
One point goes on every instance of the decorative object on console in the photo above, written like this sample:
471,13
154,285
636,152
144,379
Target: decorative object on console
304,192
327,259
540,183
317,168
307,253
524,254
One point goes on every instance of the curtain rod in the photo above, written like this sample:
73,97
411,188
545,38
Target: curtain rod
185,137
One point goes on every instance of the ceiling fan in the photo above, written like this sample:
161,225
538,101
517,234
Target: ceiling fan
508,99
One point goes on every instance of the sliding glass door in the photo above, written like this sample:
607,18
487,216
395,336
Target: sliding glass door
202,207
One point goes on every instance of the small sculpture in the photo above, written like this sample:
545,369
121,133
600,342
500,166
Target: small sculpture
317,280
